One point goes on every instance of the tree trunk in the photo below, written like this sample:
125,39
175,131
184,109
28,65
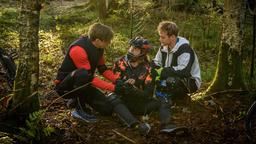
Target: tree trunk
102,8
26,82
229,68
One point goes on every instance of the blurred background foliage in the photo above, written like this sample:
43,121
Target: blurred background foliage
62,21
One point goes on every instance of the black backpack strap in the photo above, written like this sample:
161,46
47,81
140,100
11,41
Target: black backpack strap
164,55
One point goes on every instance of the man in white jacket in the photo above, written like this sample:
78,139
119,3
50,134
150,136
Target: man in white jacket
180,71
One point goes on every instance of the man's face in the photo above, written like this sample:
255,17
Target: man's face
166,40
136,60
135,51
101,43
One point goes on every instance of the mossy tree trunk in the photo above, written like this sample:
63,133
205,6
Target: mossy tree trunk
101,7
26,82
229,68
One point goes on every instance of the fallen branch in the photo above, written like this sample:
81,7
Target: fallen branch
53,92
226,92
125,137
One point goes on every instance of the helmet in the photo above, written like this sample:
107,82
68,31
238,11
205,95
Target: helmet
141,43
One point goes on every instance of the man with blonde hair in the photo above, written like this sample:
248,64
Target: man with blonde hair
178,67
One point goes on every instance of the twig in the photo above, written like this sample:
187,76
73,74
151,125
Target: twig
50,93
208,108
227,91
55,93
125,137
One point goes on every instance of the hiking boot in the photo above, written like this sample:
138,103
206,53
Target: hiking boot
82,115
173,129
144,128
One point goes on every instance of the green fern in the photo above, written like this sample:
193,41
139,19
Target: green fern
35,131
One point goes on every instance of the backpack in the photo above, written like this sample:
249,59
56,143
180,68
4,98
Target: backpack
8,66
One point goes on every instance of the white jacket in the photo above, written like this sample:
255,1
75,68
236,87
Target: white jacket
181,58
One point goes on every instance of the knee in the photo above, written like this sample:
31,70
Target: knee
82,75
175,85
81,72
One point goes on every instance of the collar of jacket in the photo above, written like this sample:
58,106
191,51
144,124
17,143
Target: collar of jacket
181,41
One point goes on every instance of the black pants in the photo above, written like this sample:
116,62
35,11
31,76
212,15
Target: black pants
141,107
76,85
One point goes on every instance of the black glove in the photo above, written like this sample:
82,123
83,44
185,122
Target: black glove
153,69
167,72
153,73
153,65
119,87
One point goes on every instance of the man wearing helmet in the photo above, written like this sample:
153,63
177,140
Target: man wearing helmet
178,69
135,69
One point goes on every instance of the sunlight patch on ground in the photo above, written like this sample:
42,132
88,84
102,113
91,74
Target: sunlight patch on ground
197,96
51,57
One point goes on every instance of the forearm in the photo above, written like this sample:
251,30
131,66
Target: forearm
108,74
101,84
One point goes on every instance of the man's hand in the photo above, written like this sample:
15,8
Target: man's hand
167,72
153,72
130,81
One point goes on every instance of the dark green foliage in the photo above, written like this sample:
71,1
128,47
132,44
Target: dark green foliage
35,131
8,18
8,28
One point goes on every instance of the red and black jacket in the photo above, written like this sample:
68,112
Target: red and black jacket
93,53
83,54
143,79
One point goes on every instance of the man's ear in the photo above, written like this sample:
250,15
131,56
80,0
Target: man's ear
97,40
172,36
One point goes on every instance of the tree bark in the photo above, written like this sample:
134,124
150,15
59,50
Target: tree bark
229,67
26,82
102,9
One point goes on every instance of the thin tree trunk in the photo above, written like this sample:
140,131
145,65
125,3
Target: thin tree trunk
229,68
26,82
102,8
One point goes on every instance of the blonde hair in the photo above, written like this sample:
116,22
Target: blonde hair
169,27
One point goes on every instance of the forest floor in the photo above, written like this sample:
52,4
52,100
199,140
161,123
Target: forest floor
218,119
